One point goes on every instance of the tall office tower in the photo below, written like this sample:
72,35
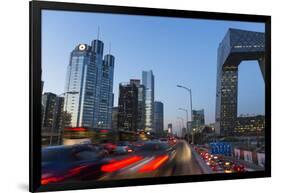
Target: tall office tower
141,99
128,106
80,86
158,117
49,107
141,107
148,82
58,115
52,112
52,120
198,118
105,95
88,89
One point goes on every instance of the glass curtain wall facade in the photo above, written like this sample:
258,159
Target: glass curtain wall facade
158,117
198,118
88,89
148,82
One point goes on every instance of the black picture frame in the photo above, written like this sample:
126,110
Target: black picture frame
35,8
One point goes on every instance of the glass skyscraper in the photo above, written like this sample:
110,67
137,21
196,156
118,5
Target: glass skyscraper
148,82
158,117
198,118
89,85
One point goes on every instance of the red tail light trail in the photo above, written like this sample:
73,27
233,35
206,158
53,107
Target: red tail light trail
48,180
154,164
112,167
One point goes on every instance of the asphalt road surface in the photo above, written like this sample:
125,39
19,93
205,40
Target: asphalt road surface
185,163
181,162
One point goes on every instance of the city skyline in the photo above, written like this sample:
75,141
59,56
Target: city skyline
204,95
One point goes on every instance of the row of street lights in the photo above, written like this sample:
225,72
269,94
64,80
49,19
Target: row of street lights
186,110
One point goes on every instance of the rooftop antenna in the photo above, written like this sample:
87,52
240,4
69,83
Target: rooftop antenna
109,47
98,32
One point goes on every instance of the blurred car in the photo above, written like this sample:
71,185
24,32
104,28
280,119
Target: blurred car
163,140
147,156
124,143
76,162
226,165
220,161
172,141
158,154
109,147
238,167
152,147
121,150
137,144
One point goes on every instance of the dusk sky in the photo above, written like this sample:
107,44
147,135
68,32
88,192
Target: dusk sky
178,51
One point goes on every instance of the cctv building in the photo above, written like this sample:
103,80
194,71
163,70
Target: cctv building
237,46
89,85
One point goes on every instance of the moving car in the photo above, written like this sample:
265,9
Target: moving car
75,162
109,147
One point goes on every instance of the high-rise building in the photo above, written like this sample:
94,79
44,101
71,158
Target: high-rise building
88,88
170,128
105,97
52,120
158,117
141,105
236,46
250,125
198,118
148,82
128,106
58,115
114,121
49,111
183,132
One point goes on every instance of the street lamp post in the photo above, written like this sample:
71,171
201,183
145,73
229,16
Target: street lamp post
190,96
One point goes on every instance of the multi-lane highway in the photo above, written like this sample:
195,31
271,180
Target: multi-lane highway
129,160
180,161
